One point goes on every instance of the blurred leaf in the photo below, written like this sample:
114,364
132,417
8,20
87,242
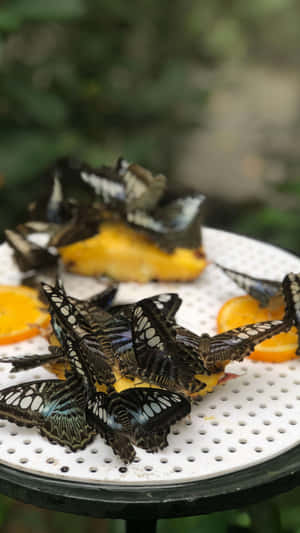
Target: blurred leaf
213,523
39,10
25,153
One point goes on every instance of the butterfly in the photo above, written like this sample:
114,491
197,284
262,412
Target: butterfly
263,290
28,255
173,225
105,184
27,362
67,321
119,329
238,343
142,190
140,416
291,288
92,308
160,359
83,224
56,408
53,207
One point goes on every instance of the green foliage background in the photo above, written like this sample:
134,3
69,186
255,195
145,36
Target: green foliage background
99,78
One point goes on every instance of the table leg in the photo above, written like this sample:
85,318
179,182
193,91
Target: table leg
141,526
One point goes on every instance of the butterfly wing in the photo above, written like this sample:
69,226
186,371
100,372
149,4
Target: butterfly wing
159,358
151,413
105,184
105,298
83,225
174,225
26,362
28,255
291,291
263,290
93,351
235,344
50,406
143,190
108,416
151,346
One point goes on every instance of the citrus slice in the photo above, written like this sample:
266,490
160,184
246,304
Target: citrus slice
244,310
22,314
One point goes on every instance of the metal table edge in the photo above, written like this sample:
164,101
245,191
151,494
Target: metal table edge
147,502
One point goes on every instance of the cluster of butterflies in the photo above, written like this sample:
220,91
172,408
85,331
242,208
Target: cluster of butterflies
99,341
79,198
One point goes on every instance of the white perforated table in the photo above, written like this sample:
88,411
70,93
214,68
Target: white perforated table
241,439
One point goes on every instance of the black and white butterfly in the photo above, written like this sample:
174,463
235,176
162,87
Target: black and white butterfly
291,290
105,184
173,225
93,348
56,408
263,290
159,358
140,416
28,255
238,343
120,332
143,190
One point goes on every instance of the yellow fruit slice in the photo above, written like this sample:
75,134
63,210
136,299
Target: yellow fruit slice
22,314
244,310
126,255
123,383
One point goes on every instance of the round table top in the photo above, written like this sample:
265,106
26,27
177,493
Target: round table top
196,473
102,500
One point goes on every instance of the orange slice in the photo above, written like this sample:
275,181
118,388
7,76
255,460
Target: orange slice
244,310
22,315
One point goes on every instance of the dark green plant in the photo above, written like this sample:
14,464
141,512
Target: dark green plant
278,225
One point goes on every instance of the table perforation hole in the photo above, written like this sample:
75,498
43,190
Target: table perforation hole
177,469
